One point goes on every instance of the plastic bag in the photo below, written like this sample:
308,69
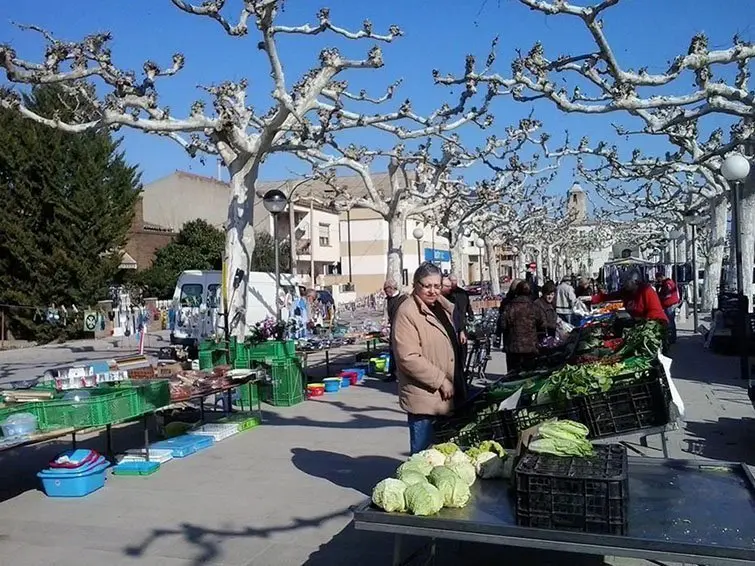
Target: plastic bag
563,329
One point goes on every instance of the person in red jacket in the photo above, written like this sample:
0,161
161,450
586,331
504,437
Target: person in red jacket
640,299
668,293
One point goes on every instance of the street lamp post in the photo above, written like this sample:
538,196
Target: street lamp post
480,245
275,202
735,169
694,221
418,234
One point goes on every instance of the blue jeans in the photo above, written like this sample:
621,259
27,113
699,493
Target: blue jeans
421,433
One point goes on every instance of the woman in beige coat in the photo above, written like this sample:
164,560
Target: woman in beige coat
427,351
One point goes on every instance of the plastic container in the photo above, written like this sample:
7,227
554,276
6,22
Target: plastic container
360,373
345,382
316,389
155,455
243,421
185,445
352,376
136,468
332,384
218,431
79,482
19,424
589,495
286,387
74,459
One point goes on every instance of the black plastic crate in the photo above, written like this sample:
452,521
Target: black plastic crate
627,408
577,494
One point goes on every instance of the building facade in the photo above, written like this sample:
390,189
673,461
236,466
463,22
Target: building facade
143,240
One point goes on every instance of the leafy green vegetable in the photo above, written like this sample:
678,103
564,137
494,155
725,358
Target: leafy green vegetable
562,447
575,381
420,466
389,495
465,470
410,477
458,457
644,340
423,499
563,429
453,489
431,456
447,448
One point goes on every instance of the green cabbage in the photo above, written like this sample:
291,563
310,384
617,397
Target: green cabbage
423,499
389,495
447,448
410,477
464,470
568,430
453,489
431,456
420,466
458,457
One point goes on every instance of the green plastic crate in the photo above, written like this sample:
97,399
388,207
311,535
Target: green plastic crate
205,359
287,384
245,421
274,350
250,401
151,393
101,408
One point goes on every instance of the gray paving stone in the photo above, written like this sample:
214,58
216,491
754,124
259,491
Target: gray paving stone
280,495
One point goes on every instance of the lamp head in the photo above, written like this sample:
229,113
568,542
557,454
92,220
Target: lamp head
274,201
735,167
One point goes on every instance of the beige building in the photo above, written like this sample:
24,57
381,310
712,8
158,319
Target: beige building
337,249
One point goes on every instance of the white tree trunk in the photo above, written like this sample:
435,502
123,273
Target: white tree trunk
521,263
747,231
681,248
458,265
716,249
239,242
495,276
551,275
396,233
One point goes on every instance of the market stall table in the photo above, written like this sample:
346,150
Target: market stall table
680,511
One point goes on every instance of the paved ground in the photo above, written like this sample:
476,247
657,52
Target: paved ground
280,495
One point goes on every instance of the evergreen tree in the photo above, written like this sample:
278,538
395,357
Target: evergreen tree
67,205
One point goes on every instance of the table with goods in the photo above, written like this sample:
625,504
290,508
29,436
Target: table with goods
557,491
606,375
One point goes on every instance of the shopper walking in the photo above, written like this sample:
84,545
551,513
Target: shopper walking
522,321
668,293
547,304
428,357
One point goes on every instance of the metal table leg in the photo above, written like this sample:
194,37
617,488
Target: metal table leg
664,444
109,443
73,440
327,363
397,540
145,422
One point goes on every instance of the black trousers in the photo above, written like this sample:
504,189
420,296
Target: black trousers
515,362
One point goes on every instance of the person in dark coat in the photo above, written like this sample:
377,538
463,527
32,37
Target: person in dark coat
522,321
393,299
547,304
460,298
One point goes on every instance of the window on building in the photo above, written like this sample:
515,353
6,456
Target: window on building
324,235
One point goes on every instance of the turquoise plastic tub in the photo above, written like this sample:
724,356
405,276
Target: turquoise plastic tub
332,384
75,482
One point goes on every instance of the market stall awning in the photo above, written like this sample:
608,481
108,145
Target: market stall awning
127,262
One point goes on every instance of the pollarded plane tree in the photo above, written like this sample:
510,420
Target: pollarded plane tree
597,83
419,181
221,122
519,178
665,191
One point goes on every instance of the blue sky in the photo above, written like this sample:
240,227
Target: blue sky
439,33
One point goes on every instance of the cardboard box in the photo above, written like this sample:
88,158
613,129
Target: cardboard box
168,370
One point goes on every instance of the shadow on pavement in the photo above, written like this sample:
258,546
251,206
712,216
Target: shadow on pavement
693,363
360,473
209,542
356,421
728,440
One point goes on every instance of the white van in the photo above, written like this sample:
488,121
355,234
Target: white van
197,302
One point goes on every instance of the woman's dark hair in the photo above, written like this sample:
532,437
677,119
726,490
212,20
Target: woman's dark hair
523,289
548,288
426,269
